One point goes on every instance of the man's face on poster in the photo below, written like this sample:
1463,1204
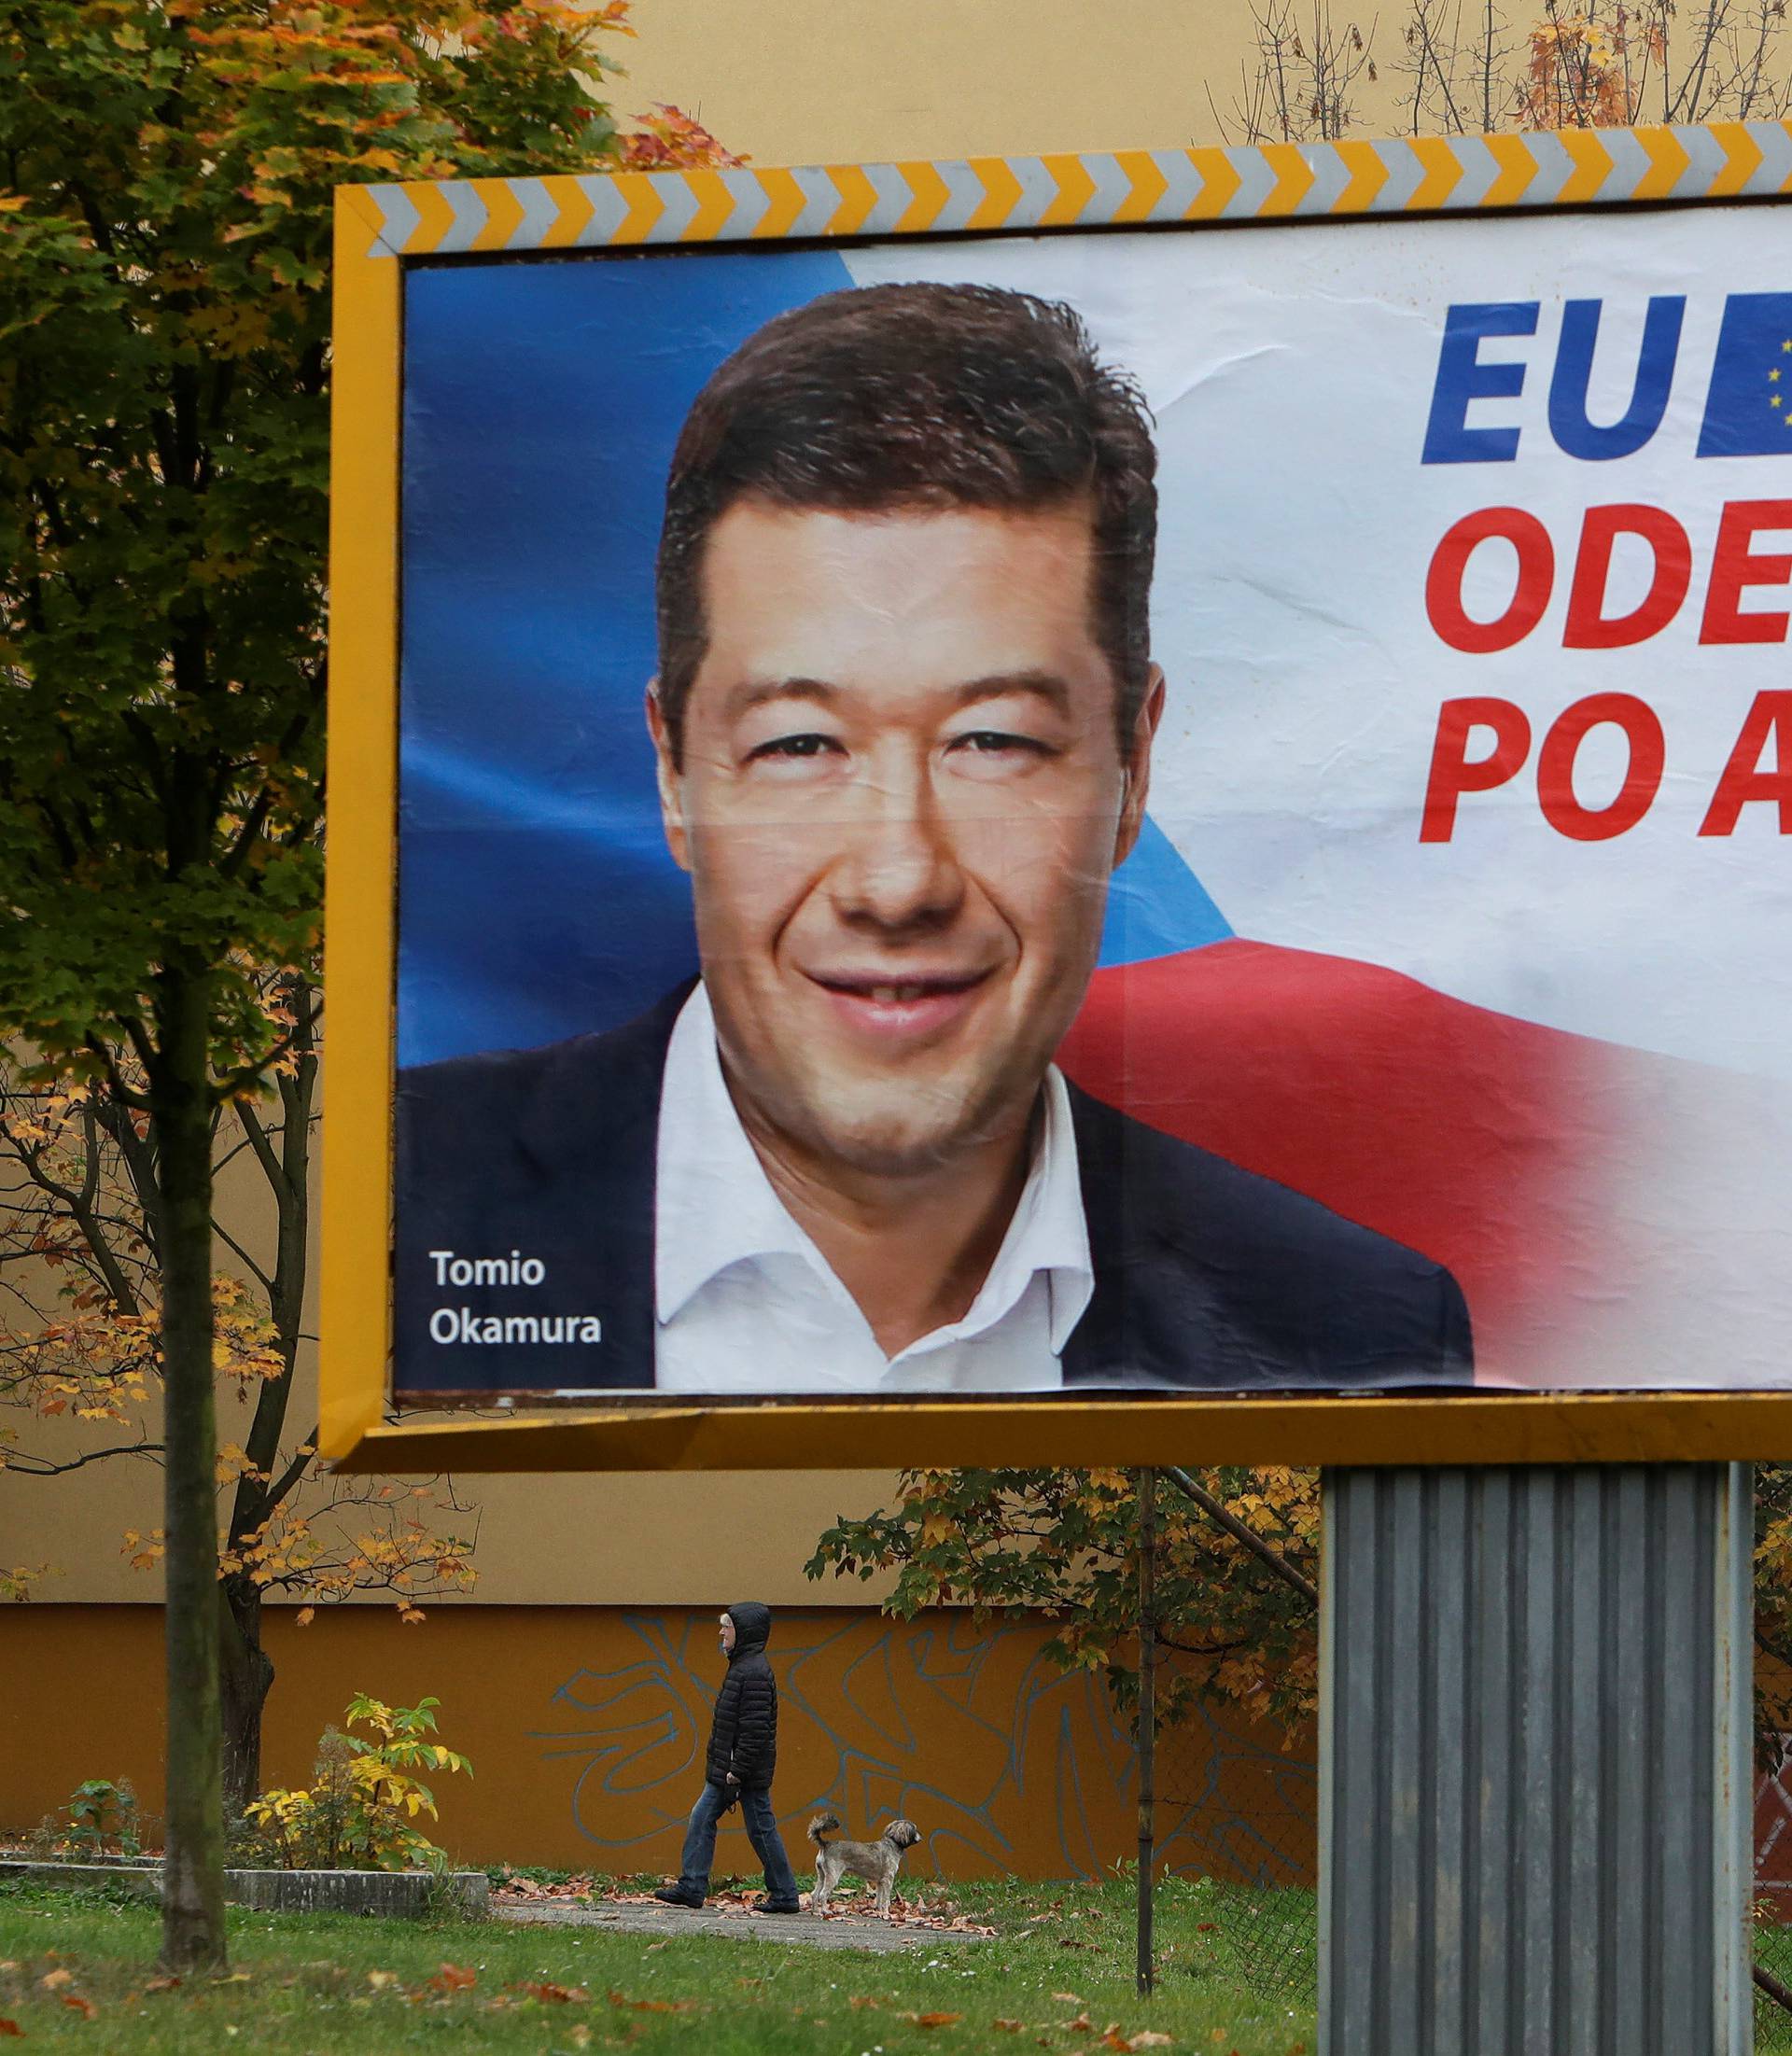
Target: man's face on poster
900,796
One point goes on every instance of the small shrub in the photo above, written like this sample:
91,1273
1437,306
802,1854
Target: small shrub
103,1819
361,1810
100,1820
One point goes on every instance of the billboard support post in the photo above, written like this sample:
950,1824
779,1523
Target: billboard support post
1147,1720
1535,1708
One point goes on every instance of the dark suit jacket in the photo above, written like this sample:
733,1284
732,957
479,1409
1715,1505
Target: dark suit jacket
1206,1275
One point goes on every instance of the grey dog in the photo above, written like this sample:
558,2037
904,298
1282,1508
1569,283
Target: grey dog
878,1862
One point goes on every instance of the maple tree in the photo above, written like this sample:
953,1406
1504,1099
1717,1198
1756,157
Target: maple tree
1065,1544
80,1373
1301,85
168,169
1502,67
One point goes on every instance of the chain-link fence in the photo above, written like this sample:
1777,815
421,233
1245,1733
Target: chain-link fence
1239,1827
1242,1825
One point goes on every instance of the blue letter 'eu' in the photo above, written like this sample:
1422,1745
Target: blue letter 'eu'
1568,422
1461,377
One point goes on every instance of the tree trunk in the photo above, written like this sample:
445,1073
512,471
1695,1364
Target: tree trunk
192,1890
246,1675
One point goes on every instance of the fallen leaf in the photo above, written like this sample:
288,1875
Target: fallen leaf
652,2005
1206,1927
553,1994
1148,2038
933,2020
1081,2025
580,2036
652,1949
1009,2027
10,2027
453,1978
74,2002
862,2002
53,1980
233,1977
162,1984
382,1980
1069,1998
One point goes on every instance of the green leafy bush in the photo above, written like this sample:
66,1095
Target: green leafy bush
100,1820
360,1811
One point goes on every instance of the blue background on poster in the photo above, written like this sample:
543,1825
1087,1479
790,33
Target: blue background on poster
541,404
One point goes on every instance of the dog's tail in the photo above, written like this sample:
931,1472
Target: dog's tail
819,1826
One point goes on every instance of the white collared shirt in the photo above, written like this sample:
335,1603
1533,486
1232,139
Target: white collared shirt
746,1303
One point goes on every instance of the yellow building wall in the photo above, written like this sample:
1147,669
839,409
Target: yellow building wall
586,1727
829,81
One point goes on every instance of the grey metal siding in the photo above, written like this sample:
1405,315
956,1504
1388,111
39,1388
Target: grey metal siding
1535,1708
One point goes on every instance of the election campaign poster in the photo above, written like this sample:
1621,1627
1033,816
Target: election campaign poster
1088,812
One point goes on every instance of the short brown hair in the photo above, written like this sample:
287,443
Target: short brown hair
918,396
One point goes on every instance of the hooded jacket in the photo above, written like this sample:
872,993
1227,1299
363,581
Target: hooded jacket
743,1736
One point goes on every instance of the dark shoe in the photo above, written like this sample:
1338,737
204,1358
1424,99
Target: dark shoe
779,1906
679,1894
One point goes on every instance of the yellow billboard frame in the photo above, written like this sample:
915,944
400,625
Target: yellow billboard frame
378,228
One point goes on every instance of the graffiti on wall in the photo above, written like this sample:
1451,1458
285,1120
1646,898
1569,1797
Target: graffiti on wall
1004,1763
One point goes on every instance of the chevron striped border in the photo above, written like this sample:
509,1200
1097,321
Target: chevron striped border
1564,168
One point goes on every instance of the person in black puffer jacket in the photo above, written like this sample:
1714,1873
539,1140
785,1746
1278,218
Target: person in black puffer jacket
743,1753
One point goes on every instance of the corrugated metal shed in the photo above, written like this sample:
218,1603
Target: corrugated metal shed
1534,1762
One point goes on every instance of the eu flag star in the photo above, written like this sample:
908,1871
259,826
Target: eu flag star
1749,365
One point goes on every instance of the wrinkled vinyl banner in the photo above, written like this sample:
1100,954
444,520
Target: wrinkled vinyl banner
1432,1031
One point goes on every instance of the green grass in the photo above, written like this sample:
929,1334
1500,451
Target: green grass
332,1985
1772,2022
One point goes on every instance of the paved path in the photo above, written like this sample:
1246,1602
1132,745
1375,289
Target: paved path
881,1938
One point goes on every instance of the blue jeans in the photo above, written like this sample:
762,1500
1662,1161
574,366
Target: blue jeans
761,1831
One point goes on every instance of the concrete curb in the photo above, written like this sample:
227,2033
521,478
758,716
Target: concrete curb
399,1895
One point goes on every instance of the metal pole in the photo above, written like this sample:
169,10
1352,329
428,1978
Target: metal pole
1147,1717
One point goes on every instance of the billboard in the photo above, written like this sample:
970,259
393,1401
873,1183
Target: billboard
1080,813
